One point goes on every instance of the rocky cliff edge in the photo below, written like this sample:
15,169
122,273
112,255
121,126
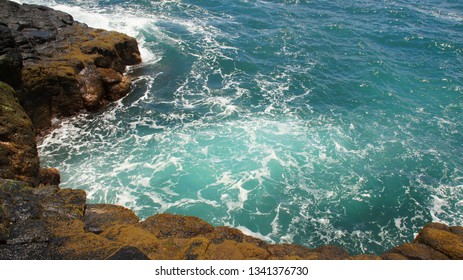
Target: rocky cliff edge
59,66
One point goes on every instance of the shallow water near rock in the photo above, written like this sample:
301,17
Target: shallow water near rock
310,122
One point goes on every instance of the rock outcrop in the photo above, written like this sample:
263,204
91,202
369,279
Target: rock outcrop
436,241
52,223
18,153
66,66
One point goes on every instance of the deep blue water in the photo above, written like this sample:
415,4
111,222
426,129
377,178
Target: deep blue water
311,122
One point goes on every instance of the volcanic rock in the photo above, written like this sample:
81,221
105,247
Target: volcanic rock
18,154
68,66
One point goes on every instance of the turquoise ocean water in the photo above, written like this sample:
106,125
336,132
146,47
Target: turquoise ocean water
310,122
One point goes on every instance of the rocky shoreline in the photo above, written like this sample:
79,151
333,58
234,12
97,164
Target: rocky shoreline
53,67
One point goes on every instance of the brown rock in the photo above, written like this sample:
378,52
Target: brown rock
393,256
92,88
119,90
65,204
457,230
49,177
364,257
18,154
330,252
60,229
227,250
443,241
195,249
110,76
128,253
252,251
19,201
51,89
134,236
418,251
99,217
283,251
170,225
438,226
29,251
222,233
87,246
45,191
170,248
62,57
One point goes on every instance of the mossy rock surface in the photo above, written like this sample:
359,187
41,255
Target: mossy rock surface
49,177
251,251
18,153
221,233
331,252
99,217
195,249
227,250
60,75
4,223
458,230
87,246
48,223
65,204
443,241
281,251
170,248
128,253
170,225
133,235
418,251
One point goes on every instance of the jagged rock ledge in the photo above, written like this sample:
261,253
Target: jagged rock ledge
52,223
59,66
68,68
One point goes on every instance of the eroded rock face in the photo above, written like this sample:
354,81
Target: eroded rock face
441,239
169,225
18,153
68,67
99,217
52,223
435,241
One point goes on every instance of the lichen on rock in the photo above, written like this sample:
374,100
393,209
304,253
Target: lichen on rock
99,217
47,222
18,154
68,66
169,225
443,241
